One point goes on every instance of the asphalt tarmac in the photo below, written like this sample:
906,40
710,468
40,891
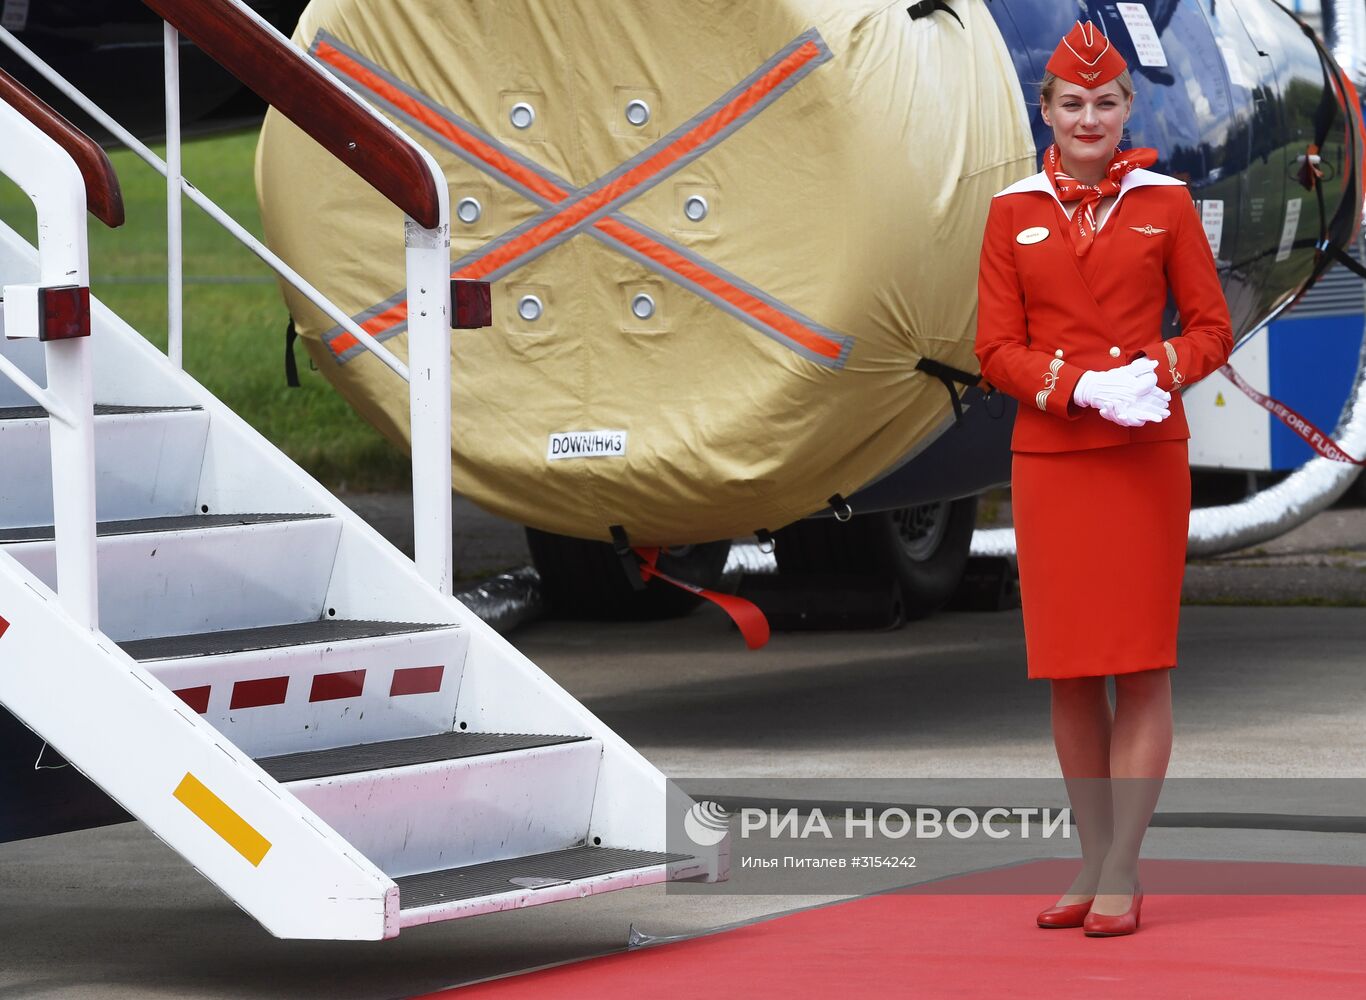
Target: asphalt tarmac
1270,708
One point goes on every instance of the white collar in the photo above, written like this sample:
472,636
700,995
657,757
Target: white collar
1138,177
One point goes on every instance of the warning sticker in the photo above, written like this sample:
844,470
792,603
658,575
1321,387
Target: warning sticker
586,444
1292,225
1212,215
1146,43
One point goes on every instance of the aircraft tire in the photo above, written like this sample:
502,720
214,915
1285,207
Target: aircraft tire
924,547
586,580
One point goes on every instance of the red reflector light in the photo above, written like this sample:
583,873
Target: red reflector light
64,311
473,304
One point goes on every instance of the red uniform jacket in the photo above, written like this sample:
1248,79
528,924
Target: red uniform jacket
1045,315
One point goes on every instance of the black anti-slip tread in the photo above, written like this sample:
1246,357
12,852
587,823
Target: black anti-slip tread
401,753
145,525
268,637
101,410
431,888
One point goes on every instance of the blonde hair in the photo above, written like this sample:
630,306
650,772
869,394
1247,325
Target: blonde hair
1125,81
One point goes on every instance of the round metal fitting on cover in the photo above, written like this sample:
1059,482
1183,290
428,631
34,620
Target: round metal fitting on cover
522,115
637,112
643,306
696,208
469,211
530,308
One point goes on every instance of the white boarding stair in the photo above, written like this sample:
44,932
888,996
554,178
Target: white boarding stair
279,695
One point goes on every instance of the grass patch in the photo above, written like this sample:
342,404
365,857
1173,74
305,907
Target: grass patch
234,315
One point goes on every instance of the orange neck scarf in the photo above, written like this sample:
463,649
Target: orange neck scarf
1071,189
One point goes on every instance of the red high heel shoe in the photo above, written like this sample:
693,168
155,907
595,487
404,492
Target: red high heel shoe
1070,915
1115,924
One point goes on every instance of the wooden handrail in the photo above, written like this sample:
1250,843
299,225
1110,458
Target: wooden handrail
279,75
103,196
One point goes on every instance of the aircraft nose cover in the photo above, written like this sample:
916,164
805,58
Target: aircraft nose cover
720,236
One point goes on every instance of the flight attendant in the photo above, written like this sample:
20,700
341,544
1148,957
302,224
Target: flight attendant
1077,261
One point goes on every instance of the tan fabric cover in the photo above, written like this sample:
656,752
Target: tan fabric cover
858,198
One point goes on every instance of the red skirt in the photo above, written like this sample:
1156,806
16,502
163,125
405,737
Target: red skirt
1100,536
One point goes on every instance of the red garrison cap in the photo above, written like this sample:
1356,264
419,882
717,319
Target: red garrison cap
1086,57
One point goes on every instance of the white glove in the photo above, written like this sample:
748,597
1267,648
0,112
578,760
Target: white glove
1151,407
1119,387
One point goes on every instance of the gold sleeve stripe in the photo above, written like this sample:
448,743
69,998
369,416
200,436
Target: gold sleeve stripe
1177,377
1050,381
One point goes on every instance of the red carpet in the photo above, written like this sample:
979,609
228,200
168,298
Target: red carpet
972,944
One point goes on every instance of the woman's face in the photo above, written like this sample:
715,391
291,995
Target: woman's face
1087,123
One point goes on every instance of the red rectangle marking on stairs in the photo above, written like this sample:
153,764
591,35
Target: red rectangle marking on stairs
196,697
343,684
257,693
416,680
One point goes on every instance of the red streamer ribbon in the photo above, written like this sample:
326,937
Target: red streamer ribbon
1322,443
748,618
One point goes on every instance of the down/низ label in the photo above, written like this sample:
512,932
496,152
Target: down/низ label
586,444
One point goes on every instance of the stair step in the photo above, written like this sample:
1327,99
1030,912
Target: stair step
245,640
519,799
101,410
148,462
401,753
168,576
535,871
147,525
314,685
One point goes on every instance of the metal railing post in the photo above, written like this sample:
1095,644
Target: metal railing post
175,295
52,181
429,395
69,378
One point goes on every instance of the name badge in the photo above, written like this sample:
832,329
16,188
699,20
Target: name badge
1034,234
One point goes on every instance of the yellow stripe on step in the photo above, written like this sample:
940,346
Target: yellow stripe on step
219,817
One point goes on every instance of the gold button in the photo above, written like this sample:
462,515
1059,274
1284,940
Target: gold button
1114,352
1058,353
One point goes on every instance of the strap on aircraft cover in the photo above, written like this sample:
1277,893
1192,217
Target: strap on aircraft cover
622,546
949,375
291,366
927,7
843,511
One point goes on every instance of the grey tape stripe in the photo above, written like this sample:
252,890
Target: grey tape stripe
356,350
635,192
845,341
427,130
